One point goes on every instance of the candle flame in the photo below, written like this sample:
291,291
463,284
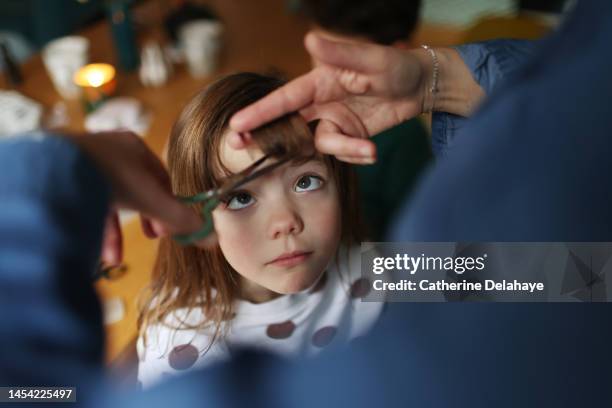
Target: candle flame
94,75
95,78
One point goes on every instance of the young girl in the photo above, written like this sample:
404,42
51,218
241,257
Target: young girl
285,275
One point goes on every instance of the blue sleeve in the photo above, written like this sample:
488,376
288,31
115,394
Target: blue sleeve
490,62
52,208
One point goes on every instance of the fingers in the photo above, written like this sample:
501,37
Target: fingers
162,213
331,139
145,187
239,140
139,182
147,227
362,151
357,160
289,98
166,214
177,219
361,57
336,117
209,242
112,244
155,229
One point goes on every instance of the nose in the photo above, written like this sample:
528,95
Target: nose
284,221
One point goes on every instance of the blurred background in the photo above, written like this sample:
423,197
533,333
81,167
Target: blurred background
29,24
76,65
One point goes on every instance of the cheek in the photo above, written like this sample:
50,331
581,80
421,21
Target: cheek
237,239
323,220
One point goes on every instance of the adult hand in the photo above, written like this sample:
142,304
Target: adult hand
356,90
139,182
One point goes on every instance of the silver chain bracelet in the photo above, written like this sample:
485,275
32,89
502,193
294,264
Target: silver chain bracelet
433,90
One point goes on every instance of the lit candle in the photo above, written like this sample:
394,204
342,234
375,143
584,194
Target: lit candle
97,82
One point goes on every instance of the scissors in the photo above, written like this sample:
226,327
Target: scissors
213,197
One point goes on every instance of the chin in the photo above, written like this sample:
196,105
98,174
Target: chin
299,283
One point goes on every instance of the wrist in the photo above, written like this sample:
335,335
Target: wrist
455,89
425,62
458,93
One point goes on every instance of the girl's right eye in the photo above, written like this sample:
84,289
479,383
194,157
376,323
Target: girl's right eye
239,201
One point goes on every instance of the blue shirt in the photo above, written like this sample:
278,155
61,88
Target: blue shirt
491,63
532,164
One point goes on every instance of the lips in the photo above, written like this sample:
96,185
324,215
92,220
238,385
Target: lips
290,258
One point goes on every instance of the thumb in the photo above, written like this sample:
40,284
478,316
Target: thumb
112,244
330,140
170,217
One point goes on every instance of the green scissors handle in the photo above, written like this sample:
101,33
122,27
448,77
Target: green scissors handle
211,201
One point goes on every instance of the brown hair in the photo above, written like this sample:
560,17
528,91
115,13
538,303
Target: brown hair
184,276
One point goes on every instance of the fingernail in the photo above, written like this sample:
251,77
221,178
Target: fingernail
369,160
110,257
235,121
365,151
158,229
234,139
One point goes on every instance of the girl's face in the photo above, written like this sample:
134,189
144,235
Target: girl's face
279,231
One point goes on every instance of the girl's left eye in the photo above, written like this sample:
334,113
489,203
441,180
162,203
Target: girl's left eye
308,183
239,201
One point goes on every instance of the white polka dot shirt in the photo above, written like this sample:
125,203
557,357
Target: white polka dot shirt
329,313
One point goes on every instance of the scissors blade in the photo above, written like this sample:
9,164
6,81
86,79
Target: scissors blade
244,177
235,181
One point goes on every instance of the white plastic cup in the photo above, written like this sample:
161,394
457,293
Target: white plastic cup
201,41
63,57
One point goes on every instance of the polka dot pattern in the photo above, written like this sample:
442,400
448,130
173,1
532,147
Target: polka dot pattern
280,330
324,336
182,357
360,288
